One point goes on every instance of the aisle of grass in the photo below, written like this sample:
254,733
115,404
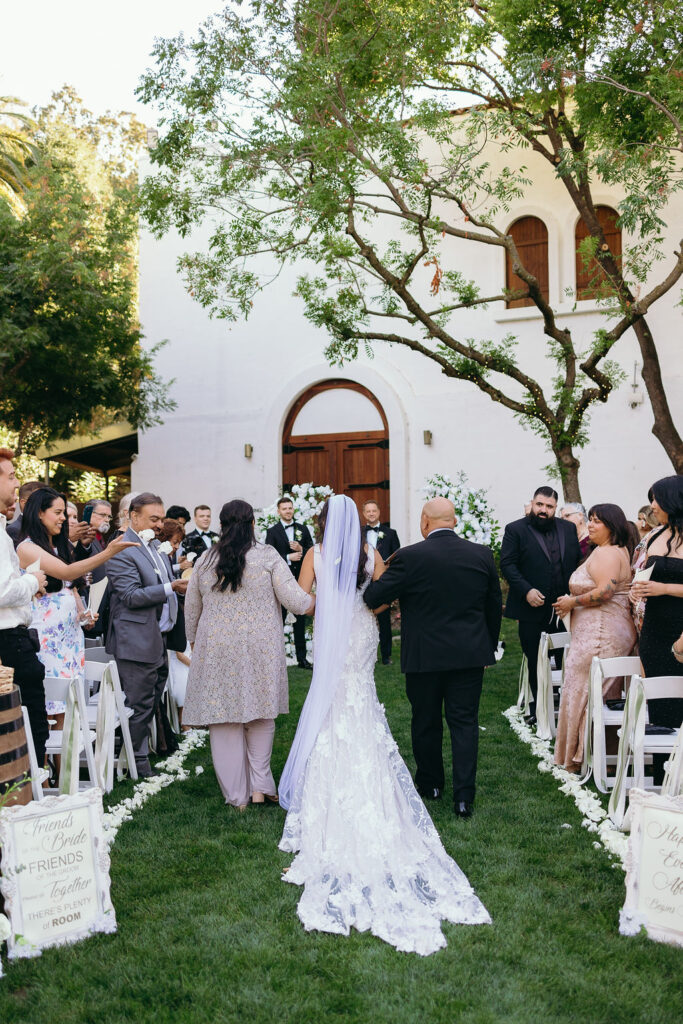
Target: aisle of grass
209,933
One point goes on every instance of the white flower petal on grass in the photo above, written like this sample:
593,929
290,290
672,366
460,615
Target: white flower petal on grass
198,769
173,771
594,816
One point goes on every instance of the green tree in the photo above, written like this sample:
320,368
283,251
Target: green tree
70,351
16,150
318,130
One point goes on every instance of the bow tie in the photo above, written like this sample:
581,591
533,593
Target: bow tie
203,534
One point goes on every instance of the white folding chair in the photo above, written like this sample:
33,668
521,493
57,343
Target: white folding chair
171,703
549,679
97,654
75,738
107,711
38,774
599,717
635,744
524,695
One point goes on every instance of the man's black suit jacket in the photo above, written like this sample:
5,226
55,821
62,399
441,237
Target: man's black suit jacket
525,564
14,529
451,606
194,542
277,538
388,542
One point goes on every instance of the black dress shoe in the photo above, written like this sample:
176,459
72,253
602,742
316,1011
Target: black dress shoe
433,793
304,664
387,661
530,719
462,809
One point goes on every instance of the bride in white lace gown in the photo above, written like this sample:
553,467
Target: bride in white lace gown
367,852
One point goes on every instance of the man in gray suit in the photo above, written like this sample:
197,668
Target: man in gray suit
144,606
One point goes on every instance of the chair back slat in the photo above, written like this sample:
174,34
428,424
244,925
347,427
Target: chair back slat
94,670
556,640
619,666
97,654
663,687
57,687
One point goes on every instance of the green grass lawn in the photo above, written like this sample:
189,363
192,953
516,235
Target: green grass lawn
207,932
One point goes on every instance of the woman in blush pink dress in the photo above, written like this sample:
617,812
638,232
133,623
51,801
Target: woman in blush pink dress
601,624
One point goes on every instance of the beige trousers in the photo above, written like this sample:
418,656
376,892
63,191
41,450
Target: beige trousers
241,758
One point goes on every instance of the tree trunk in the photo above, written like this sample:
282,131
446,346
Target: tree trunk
663,428
568,465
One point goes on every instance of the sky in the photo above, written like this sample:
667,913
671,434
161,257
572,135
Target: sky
99,48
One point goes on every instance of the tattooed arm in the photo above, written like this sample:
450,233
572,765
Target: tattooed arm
605,568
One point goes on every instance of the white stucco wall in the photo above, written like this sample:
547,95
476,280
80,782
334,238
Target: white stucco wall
234,385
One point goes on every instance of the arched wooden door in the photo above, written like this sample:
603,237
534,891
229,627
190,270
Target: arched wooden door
353,462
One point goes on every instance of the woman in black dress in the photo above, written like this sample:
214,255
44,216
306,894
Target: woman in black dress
663,622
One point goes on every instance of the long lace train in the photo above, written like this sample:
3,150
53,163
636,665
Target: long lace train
367,852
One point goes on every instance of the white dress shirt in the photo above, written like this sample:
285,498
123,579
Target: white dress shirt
169,611
371,535
16,590
289,530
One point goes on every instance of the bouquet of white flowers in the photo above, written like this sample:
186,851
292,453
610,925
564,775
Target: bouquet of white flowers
307,499
473,510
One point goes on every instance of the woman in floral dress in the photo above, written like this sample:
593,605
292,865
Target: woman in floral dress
58,614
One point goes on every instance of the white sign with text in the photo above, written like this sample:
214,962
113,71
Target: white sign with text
55,872
654,865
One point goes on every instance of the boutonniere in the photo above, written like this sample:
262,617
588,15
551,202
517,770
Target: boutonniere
165,548
214,540
298,534
380,534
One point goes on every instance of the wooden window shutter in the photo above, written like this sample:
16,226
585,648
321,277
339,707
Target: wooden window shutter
588,284
531,238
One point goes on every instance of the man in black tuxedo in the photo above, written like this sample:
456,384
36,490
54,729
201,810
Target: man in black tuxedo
292,540
385,540
538,555
202,537
451,611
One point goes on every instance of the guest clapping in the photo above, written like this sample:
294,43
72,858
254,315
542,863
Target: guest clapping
237,682
601,624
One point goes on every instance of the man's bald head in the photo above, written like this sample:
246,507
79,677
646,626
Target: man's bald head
437,514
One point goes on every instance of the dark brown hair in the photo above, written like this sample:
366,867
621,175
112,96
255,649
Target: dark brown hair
171,529
616,522
229,556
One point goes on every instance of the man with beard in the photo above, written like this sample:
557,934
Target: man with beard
98,514
538,555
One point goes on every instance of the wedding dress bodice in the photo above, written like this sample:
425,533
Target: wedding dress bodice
368,855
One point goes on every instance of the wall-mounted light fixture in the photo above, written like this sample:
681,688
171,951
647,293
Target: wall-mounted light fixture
427,436
248,451
637,397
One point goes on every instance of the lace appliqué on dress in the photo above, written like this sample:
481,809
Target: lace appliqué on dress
367,852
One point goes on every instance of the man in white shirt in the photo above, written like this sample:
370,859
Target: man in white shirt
144,606
18,643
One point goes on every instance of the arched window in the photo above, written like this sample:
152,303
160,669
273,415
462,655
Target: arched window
590,280
531,238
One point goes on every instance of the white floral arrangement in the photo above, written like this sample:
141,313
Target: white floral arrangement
307,499
474,512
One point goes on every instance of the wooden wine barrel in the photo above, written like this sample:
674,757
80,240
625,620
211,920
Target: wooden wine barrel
14,763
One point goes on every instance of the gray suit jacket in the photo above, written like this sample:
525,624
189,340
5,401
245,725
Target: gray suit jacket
137,597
